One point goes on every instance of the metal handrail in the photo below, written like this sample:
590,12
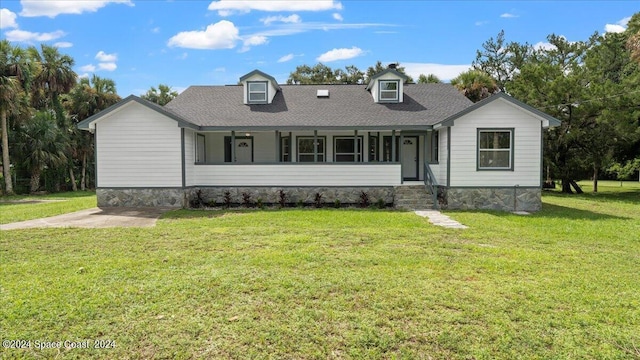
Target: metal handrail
432,184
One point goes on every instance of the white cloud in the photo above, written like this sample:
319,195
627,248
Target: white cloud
509,15
7,19
337,16
294,19
443,71
53,8
481,23
84,76
63,44
104,57
108,66
183,56
618,27
254,40
228,7
221,35
88,68
340,54
22,35
543,45
220,69
286,58
155,30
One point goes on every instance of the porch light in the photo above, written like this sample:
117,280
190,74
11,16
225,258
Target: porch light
247,134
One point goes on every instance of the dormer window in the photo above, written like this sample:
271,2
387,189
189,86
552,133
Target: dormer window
389,90
257,92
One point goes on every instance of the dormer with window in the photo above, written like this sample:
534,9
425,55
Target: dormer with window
386,86
259,88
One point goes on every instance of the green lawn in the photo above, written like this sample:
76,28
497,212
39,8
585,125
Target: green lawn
27,207
301,284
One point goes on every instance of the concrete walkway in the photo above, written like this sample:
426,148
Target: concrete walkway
95,218
439,219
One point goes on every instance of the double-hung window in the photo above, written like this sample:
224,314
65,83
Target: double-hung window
257,92
389,90
495,149
306,149
347,149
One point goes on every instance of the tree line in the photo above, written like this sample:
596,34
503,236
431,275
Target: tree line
592,86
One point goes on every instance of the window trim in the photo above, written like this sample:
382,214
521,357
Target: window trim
323,153
435,147
397,91
204,149
511,132
357,155
376,154
265,92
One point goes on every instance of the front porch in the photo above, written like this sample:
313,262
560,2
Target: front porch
308,158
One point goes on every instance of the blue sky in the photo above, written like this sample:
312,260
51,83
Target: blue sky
142,43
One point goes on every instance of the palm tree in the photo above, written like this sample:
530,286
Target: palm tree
429,79
161,98
87,98
476,85
15,73
41,145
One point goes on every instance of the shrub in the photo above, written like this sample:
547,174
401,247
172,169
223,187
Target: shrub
364,200
317,200
381,204
226,200
246,200
259,203
282,198
337,204
197,202
300,203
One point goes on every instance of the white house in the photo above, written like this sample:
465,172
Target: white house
260,137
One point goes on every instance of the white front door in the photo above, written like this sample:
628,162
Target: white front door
244,150
410,158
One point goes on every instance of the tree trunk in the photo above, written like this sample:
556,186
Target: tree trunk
34,184
83,178
595,179
6,163
566,186
74,187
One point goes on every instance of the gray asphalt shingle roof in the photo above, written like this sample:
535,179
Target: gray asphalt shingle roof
297,106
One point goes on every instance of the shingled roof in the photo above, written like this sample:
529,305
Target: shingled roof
299,107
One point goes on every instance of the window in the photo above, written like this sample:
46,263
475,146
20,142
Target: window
257,92
200,149
387,151
346,150
305,149
373,148
495,149
388,90
285,143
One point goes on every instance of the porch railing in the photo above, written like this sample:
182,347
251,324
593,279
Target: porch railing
432,184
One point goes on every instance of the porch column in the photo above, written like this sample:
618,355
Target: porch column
393,145
315,146
355,146
400,156
278,145
233,146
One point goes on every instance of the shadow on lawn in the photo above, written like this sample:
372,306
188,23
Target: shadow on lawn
628,196
557,211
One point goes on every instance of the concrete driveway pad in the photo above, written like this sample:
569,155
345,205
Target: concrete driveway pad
95,218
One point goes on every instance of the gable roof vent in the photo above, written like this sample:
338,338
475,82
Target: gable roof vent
322,93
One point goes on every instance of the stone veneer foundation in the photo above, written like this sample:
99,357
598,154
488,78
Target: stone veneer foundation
140,197
503,198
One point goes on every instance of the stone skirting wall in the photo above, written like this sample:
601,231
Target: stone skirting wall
151,197
504,199
270,195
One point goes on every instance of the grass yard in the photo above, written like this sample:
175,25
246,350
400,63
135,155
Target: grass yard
563,283
27,207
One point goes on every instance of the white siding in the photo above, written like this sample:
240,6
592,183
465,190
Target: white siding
138,147
497,114
189,156
298,175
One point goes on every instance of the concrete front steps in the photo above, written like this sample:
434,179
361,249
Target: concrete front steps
412,197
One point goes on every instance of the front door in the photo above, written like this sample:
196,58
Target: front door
410,158
244,150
